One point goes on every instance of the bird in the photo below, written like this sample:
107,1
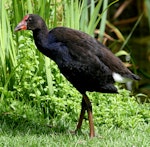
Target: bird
85,62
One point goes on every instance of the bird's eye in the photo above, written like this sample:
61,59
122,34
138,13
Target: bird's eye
29,19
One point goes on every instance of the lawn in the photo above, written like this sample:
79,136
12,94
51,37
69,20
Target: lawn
120,121
26,134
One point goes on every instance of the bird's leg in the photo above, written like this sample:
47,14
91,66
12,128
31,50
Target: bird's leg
86,105
90,116
83,108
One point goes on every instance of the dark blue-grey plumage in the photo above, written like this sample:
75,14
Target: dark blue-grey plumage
86,63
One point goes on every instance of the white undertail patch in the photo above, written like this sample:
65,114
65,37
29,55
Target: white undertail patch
120,79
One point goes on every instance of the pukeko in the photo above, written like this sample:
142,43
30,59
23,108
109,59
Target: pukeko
84,61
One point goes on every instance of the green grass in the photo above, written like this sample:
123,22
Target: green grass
119,121
37,135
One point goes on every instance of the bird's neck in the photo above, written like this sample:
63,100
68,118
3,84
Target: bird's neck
41,38
44,43
40,35
47,44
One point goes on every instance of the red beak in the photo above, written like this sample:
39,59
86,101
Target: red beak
22,25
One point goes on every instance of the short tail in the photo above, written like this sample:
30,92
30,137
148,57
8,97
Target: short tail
135,77
123,78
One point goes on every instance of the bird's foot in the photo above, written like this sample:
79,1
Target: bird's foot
77,131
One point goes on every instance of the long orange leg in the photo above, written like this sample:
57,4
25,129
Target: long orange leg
90,116
86,105
83,108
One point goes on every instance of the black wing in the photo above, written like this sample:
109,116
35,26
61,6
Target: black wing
87,49
85,62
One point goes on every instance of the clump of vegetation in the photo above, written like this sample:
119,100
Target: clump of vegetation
33,91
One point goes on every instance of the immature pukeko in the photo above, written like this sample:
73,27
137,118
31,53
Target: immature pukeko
84,61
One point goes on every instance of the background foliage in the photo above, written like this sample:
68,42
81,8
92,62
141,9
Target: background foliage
32,89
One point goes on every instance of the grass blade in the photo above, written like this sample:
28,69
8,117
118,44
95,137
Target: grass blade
134,27
103,20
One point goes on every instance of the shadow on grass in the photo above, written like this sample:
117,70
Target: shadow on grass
14,125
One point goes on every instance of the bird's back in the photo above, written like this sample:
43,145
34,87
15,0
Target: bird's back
85,62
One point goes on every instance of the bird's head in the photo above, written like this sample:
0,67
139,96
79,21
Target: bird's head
30,22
